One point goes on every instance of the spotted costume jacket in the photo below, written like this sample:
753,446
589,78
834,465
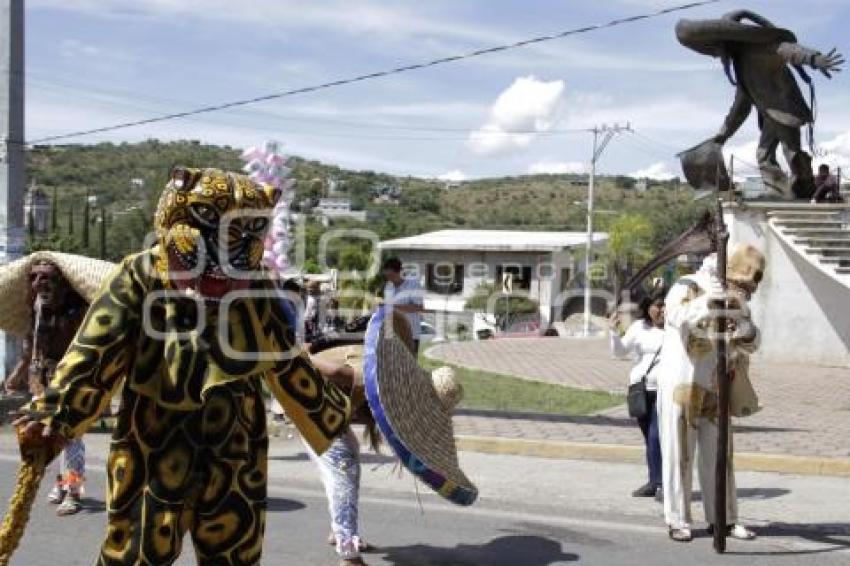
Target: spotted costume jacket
175,355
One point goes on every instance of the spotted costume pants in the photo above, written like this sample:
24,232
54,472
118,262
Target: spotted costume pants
199,472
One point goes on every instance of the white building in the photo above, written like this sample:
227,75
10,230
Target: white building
37,208
331,208
802,303
452,264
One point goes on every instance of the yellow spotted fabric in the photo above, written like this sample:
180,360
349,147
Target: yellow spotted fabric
172,357
189,454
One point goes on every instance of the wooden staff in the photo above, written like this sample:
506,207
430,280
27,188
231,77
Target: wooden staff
722,464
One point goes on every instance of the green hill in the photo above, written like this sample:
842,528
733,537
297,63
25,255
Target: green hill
126,179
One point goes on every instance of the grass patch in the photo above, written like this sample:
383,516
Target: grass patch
486,390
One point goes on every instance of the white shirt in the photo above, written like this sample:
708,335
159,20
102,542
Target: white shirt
311,309
689,355
642,340
409,292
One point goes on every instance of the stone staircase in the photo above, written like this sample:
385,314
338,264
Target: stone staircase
819,233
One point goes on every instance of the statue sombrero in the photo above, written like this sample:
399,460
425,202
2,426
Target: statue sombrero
412,408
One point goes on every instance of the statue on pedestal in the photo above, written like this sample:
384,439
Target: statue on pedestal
756,57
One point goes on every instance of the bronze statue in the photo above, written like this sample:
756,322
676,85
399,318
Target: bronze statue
756,58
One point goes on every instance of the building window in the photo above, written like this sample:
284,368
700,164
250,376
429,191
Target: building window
445,278
521,276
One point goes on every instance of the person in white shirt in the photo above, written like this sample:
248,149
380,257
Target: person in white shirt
643,339
405,295
687,387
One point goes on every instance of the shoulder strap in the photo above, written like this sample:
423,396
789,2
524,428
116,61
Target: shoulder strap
653,363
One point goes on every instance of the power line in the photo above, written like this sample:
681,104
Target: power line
379,74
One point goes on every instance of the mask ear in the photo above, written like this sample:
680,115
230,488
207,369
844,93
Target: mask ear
272,193
182,178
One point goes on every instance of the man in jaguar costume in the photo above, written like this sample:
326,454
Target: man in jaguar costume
192,328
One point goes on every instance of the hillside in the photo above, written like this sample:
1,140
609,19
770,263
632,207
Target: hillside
541,202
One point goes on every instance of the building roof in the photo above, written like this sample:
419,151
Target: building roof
493,240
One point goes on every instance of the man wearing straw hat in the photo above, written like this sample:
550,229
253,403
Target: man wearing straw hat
688,404
55,311
188,331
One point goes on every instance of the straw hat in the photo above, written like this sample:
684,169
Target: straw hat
413,410
85,274
745,267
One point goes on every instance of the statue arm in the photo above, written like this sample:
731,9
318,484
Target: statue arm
738,114
798,55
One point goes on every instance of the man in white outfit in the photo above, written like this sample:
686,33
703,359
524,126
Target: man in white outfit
688,404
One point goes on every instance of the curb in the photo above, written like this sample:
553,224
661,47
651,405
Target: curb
744,461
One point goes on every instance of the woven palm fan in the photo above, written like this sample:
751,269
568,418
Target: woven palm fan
86,276
413,409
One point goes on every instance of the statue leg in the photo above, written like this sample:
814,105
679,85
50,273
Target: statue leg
802,180
772,176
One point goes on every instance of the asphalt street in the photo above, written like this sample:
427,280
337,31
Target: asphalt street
531,512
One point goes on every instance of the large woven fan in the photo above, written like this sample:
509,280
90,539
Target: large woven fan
86,275
413,410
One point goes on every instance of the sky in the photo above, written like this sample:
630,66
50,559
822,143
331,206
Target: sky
92,63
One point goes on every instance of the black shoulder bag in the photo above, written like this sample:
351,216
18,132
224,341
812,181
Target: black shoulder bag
637,398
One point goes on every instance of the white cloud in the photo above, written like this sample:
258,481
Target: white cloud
340,16
556,167
525,108
836,151
454,175
76,48
661,171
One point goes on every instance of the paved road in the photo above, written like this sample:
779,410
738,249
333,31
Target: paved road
806,407
531,513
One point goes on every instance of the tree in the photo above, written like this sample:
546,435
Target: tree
71,219
505,308
54,208
31,225
86,219
102,233
630,239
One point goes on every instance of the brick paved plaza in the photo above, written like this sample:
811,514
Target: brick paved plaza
806,407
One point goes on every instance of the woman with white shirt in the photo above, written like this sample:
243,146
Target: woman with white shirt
643,339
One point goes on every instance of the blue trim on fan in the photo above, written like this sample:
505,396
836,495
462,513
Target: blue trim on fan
455,493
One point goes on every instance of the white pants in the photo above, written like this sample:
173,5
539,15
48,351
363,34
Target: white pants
339,468
679,440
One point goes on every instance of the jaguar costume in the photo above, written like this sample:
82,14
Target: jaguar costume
192,328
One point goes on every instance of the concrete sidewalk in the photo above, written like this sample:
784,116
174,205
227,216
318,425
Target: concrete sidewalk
803,427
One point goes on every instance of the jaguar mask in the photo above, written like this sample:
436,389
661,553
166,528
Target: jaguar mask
210,227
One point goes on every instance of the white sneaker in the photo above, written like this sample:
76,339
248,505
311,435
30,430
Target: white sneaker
741,532
56,495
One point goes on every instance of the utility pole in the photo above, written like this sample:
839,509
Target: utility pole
12,168
599,145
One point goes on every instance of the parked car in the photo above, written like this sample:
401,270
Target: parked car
428,334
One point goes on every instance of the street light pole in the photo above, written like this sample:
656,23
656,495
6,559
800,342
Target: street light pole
598,147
